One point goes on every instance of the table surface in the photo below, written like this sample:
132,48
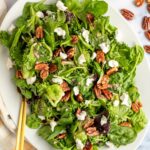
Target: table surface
135,25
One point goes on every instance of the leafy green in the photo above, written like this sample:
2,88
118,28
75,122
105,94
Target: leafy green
121,135
4,38
33,121
55,97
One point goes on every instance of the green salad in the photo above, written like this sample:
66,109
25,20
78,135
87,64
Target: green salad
77,78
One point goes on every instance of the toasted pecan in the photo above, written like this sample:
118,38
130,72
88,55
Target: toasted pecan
56,53
52,68
127,14
79,98
62,136
103,82
90,18
112,71
74,39
65,87
138,3
41,66
92,131
97,92
19,74
146,23
66,97
88,123
136,106
147,34
126,124
100,56
44,74
147,48
39,32
88,146
70,53
107,94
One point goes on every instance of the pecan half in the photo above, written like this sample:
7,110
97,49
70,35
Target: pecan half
127,14
148,1
103,83
136,106
88,146
66,97
74,39
41,66
148,8
44,74
89,123
138,3
147,34
147,48
97,92
90,18
65,87
107,94
39,32
78,112
61,136
52,68
100,56
126,124
112,71
146,23
70,53
92,131
56,53
19,74
79,98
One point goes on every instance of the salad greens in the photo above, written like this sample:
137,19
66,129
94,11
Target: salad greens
77,78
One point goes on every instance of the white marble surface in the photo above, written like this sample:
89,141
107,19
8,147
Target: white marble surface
136,26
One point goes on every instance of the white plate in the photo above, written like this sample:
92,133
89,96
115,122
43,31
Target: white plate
12,98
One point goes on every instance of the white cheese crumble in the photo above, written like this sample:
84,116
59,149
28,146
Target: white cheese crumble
60,32
119,36
89,81
110,145
36,55
60,5
11,28
87,102
116,103
76,90
63,55
113,63
53,125
9,63
104,47
40,14
57,80
81,59
93,56
48,12
41,117
85,34
79,144
103,120
82,115
31,80
125,99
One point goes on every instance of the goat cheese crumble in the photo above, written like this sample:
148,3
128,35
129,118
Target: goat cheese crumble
81,59
104,47
60,5
31,80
